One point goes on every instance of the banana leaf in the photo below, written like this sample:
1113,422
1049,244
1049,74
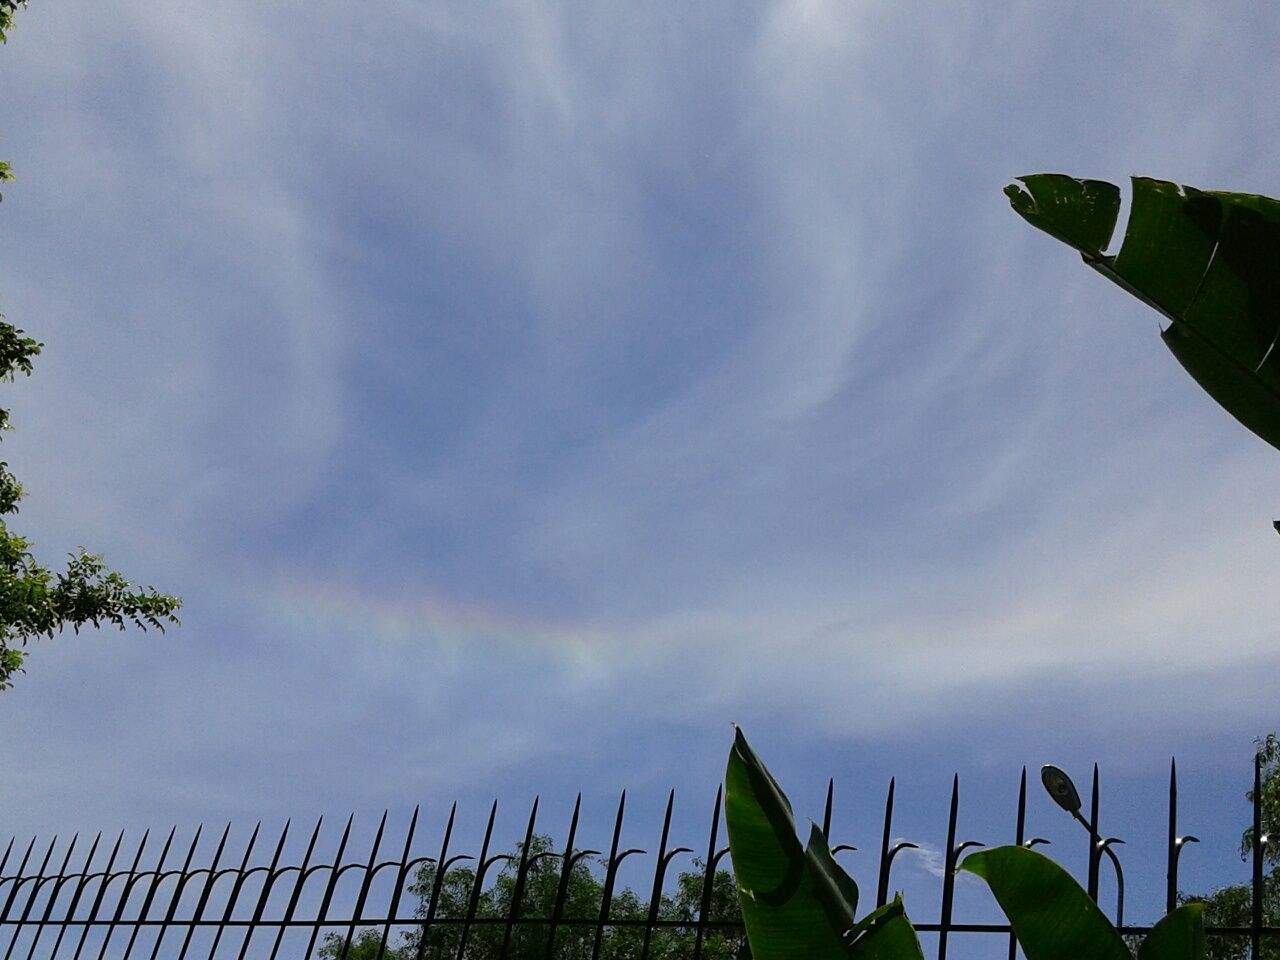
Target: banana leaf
1054,919
1178,936
797,902
1208,260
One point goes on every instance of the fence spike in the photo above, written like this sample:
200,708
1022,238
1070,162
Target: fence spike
124,896
610,878
81,880
518,894
102,892
882,885
267,884
659,875
394,907
61,878
1255,925
18,877
35,892
437,883
358,911
562,887
949,869
1171,874
708,877
151,892
474,900
297,888
1095,853
172,910
329,887
1019,838
204,893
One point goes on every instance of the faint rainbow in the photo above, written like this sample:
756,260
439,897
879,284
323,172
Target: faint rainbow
422,618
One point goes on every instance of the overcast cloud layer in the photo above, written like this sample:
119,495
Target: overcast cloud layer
519,393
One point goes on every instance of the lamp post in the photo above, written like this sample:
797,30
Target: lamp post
1059,787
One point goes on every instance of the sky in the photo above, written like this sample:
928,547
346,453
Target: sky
520,394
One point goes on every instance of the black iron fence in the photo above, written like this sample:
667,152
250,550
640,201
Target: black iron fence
108,899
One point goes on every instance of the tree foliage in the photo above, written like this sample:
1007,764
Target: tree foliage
1233,906
35,601
573,940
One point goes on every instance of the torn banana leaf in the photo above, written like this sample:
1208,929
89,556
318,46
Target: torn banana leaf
1207,260
797,902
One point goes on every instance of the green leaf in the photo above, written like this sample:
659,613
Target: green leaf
1179,936
798,903
1207,260
792,905
1052,917
1081,213
885,934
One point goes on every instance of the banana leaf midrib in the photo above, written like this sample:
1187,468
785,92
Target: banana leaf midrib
1103,266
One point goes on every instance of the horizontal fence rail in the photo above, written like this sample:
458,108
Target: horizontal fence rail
95,900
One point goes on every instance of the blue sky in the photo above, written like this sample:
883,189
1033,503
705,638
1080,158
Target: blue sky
520,393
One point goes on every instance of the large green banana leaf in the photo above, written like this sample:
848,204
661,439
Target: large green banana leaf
1208,260
1054,919
797,902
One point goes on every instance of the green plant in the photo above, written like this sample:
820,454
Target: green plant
1205,259
1054,919
1232,906
797,902
35,601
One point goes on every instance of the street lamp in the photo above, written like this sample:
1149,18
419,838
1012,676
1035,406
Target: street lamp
1059,786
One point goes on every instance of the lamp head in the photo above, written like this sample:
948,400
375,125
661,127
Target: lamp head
1060,788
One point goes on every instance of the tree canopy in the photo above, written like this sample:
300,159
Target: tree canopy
35,601
1233,906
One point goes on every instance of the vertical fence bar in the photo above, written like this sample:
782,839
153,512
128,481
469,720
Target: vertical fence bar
234,895
1019,837
826,810
437,883
610,878
566,871
97,900
1095,852
1171,873
297,889
53,897
57,888
81,881
124,895
949,869
482,865
151,893
209,879
358,910
17,881
401,874
659,875
518,893
329,887
183,877
35,892
267,884
882,885
708,877
1255,925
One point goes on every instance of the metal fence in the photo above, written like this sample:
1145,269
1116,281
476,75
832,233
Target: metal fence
66,901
